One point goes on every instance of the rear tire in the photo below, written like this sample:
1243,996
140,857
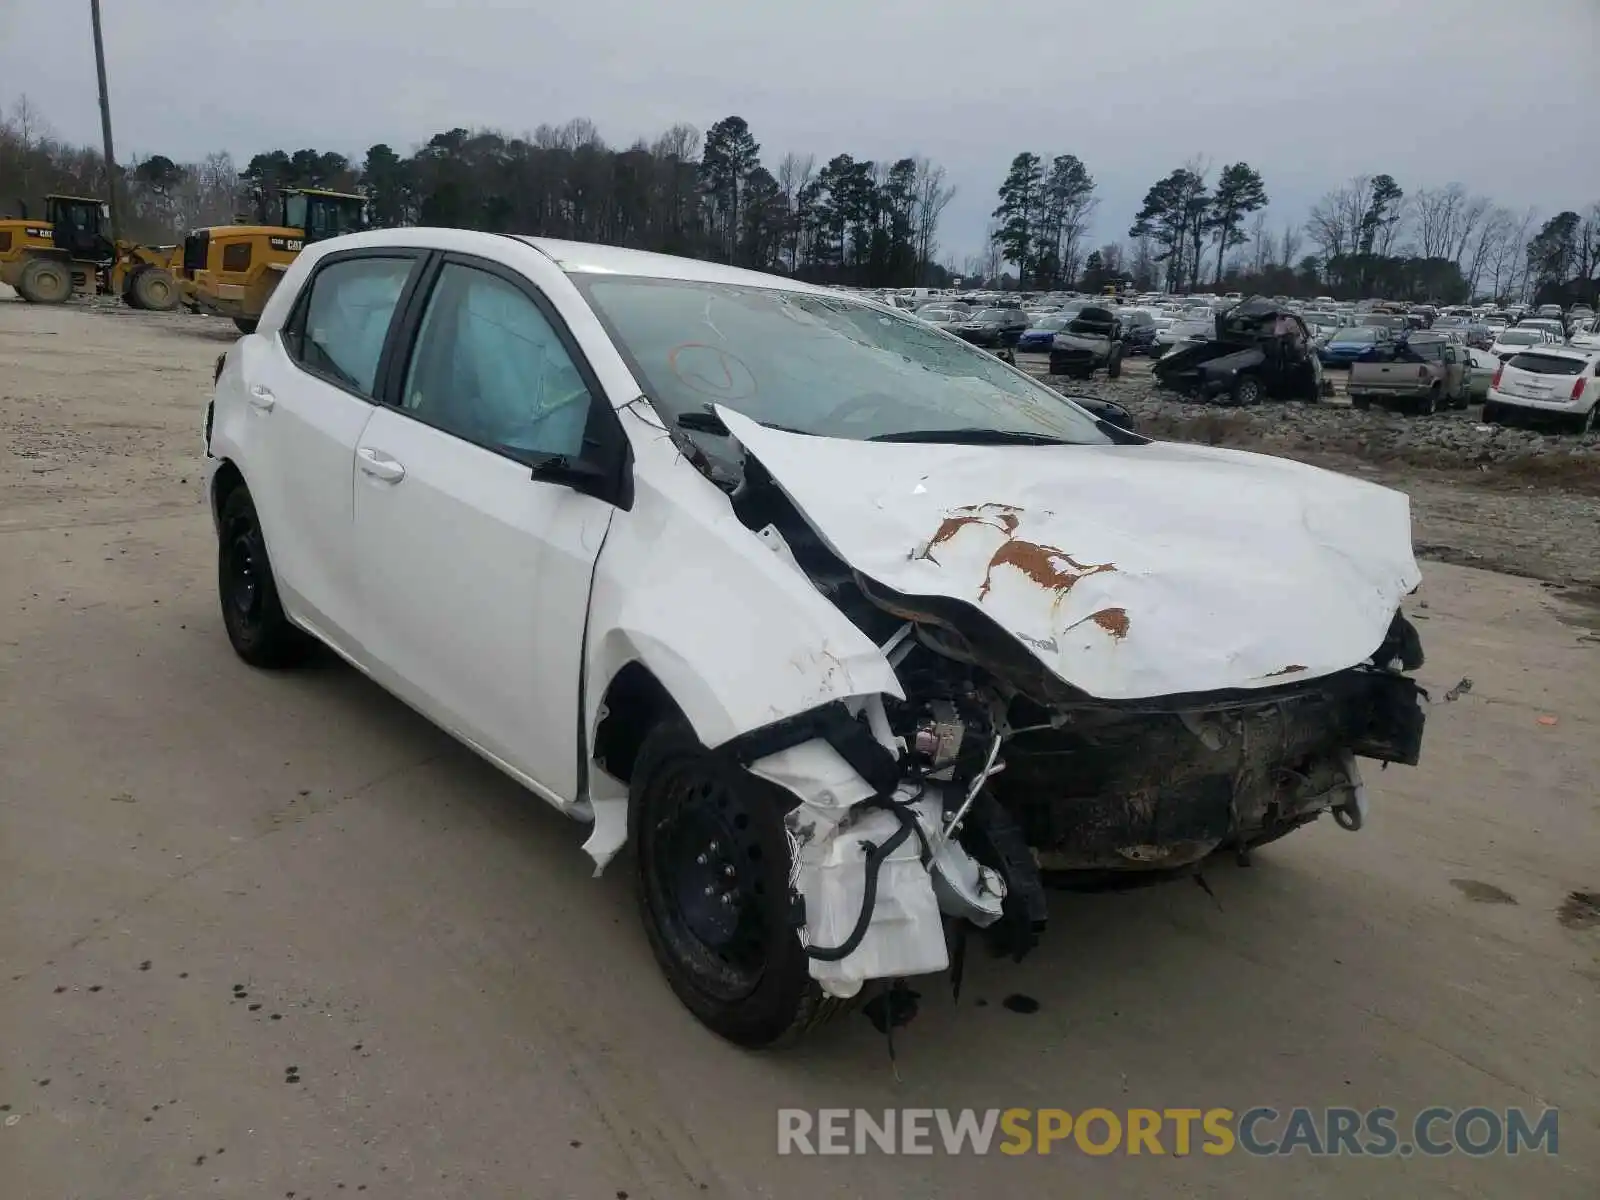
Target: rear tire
712,883
1114,363
1590,421
1427,405
257,628
1247,392
45,281
245,324
1492,414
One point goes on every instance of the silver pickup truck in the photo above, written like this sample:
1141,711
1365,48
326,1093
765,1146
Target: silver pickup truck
1422,373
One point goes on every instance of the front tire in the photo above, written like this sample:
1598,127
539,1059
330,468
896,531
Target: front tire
1428,404
1114,363
153,289
1247,392
712,882
257,628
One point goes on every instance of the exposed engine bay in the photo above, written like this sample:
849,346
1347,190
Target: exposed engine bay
994,777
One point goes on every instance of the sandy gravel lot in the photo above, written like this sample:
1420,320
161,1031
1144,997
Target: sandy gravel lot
273,936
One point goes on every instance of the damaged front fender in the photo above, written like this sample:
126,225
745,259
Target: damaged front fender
726,624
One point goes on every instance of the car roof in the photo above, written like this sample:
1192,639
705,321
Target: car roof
591,258
1552,350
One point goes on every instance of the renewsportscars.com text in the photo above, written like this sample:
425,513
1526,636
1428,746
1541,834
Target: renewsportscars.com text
1261,1131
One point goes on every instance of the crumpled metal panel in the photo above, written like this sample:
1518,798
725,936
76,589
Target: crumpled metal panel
1130,572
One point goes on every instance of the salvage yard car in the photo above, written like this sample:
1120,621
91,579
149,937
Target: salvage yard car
855,632
1345,345
1256,350
1091,340
1552,381
1422,373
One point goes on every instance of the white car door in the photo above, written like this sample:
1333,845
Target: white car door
475,574
310,395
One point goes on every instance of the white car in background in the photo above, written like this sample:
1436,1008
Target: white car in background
1585,335
713,562
1547,381
1510,342
1551,325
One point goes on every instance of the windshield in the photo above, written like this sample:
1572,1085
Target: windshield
1548,364
823,365
1522,337
1355,333
1050,321
990,316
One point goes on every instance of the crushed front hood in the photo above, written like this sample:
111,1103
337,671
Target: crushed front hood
1129,571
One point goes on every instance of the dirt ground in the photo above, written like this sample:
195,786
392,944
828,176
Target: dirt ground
271,935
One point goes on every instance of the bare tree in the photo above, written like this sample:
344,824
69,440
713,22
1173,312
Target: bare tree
1329,226
28,122
930,196
1289,247
794,173
1474,210
1492,232
1260,243
993,254
1438,212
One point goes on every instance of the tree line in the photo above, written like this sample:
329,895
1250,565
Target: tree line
1370,238
861,222
847,220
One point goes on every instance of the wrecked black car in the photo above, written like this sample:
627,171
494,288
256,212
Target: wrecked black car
1091,340
1260,350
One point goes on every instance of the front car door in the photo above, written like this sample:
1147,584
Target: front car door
311,390
475,575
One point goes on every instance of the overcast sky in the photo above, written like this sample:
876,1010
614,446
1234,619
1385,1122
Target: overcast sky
1502,97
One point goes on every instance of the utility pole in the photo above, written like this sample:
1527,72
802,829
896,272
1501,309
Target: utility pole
105,122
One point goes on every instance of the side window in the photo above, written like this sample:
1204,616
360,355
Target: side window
340,332
489,368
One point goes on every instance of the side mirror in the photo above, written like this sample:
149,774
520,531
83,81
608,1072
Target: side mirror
575,473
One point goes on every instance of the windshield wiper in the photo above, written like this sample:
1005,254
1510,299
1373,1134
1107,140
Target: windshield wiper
975,436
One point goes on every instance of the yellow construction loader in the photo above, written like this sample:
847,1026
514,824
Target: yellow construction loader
69,254
231,270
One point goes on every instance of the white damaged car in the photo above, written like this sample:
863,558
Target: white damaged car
857,634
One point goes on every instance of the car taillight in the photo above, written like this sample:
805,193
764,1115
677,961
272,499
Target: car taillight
1577,389
1498,371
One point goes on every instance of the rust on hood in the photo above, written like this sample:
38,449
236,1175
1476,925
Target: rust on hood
1003,517
1113,620
1048,566
1291,669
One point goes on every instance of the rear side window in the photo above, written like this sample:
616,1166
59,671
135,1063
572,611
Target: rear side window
489,368
1421,351
1548,364
340,326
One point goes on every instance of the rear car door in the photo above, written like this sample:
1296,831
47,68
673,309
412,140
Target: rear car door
310,390
475,572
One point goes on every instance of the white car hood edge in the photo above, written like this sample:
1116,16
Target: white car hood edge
1130,572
